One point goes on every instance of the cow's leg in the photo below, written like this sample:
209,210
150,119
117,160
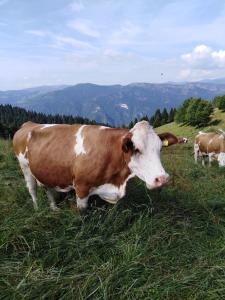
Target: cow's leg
32,187
203,160
31,183
82,195
51,194
210,158
196,152
82,203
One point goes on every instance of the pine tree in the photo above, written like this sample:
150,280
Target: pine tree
165,117
157,119
171,115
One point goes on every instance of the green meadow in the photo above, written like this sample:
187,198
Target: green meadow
166,244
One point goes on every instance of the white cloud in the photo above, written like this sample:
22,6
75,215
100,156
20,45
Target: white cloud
76,6
204,57
85,27
197,74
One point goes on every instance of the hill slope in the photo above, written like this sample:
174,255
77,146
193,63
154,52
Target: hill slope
217,122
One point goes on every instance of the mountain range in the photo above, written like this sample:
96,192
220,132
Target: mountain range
113,104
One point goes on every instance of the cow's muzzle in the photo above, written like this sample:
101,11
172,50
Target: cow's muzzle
159,182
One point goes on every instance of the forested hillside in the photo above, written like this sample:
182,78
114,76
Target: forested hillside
11,118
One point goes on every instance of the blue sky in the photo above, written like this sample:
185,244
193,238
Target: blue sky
110,41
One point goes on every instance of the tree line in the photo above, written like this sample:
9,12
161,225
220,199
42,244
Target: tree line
158,118
11,118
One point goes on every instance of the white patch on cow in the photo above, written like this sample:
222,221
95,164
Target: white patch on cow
221,159
79,146
26,150
110,192
22,160
64,190
146,164
29,178
124,105
201,132
104,127
29,136
210,141
185,140
82,203
48,125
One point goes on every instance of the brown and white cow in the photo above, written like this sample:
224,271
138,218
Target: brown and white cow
88,159
211,144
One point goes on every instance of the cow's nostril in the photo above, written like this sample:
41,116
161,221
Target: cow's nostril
161,180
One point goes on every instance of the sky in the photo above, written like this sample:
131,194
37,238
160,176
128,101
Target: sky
54,42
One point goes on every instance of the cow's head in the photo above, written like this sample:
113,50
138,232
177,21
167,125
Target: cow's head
182,140
145,145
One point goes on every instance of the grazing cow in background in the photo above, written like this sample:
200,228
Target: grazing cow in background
210,144
169,139
90,159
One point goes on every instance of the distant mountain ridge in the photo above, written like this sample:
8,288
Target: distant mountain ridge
113,104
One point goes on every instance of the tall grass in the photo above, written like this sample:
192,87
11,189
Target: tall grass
167,244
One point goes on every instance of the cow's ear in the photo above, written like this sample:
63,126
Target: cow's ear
127,144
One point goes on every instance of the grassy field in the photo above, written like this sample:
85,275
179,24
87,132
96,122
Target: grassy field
167,244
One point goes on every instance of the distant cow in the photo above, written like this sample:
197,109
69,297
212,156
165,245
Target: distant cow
169,139
90,159
210,144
